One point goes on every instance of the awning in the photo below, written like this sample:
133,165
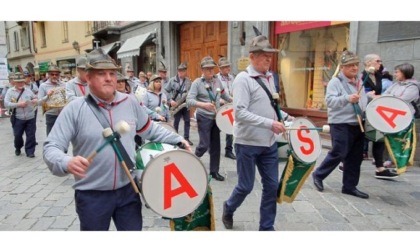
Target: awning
109,47
131,46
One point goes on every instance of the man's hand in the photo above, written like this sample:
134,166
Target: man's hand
209,106
354,98
278,127
78,166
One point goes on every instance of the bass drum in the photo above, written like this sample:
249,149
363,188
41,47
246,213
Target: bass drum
174,182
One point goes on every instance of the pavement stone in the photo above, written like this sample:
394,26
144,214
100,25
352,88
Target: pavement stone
32,199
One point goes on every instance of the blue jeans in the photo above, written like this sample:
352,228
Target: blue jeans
97,208
266,160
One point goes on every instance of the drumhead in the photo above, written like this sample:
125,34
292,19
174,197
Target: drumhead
389,114
174,183
305,144
225,118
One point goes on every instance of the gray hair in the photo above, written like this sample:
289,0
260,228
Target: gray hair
370,57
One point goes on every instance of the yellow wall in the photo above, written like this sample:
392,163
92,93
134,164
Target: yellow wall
55,48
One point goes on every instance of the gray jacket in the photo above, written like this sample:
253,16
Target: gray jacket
340,110
77,124
152,101
254,114
76,88
199,92
407,90
10,101
172,88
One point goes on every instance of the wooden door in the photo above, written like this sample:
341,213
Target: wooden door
200,39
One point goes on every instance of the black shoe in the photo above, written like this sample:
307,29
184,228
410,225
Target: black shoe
30,155
227,219
189,142
230,155
356,193
217,176
318,183
340,168
386,174
17,152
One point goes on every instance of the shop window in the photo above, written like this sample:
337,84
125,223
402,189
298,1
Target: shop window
307,61
147,60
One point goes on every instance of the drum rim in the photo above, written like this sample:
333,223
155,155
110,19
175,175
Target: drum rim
152,160
291,146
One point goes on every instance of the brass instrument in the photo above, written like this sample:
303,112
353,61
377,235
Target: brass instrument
180,104
56,100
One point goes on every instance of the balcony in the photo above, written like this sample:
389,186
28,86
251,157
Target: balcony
102,29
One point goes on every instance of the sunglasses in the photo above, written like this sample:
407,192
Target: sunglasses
379,61
51,74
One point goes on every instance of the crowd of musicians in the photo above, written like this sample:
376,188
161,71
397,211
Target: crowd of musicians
257,121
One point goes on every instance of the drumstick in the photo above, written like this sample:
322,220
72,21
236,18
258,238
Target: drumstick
108,135
325,128
121,127
125,168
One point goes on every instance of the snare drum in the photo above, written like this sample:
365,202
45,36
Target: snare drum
225,118
305,144
388,114
174,182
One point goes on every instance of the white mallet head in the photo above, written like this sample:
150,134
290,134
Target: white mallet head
371,69
107,132
122,127
326,128
158,109
275,96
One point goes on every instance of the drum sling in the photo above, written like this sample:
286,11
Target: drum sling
105,124
293,177
202,219
401,147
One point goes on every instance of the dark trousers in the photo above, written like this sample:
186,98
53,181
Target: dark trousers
347,147
209,135
229,142
378,149
29,128
97,208
185,114
266,160
50,120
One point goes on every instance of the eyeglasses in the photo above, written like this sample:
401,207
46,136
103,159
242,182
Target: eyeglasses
52,74
379,61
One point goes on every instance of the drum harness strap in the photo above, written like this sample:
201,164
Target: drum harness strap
180,89
272,101
104,122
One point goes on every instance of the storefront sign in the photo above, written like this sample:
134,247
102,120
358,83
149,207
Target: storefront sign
292,26
43,67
